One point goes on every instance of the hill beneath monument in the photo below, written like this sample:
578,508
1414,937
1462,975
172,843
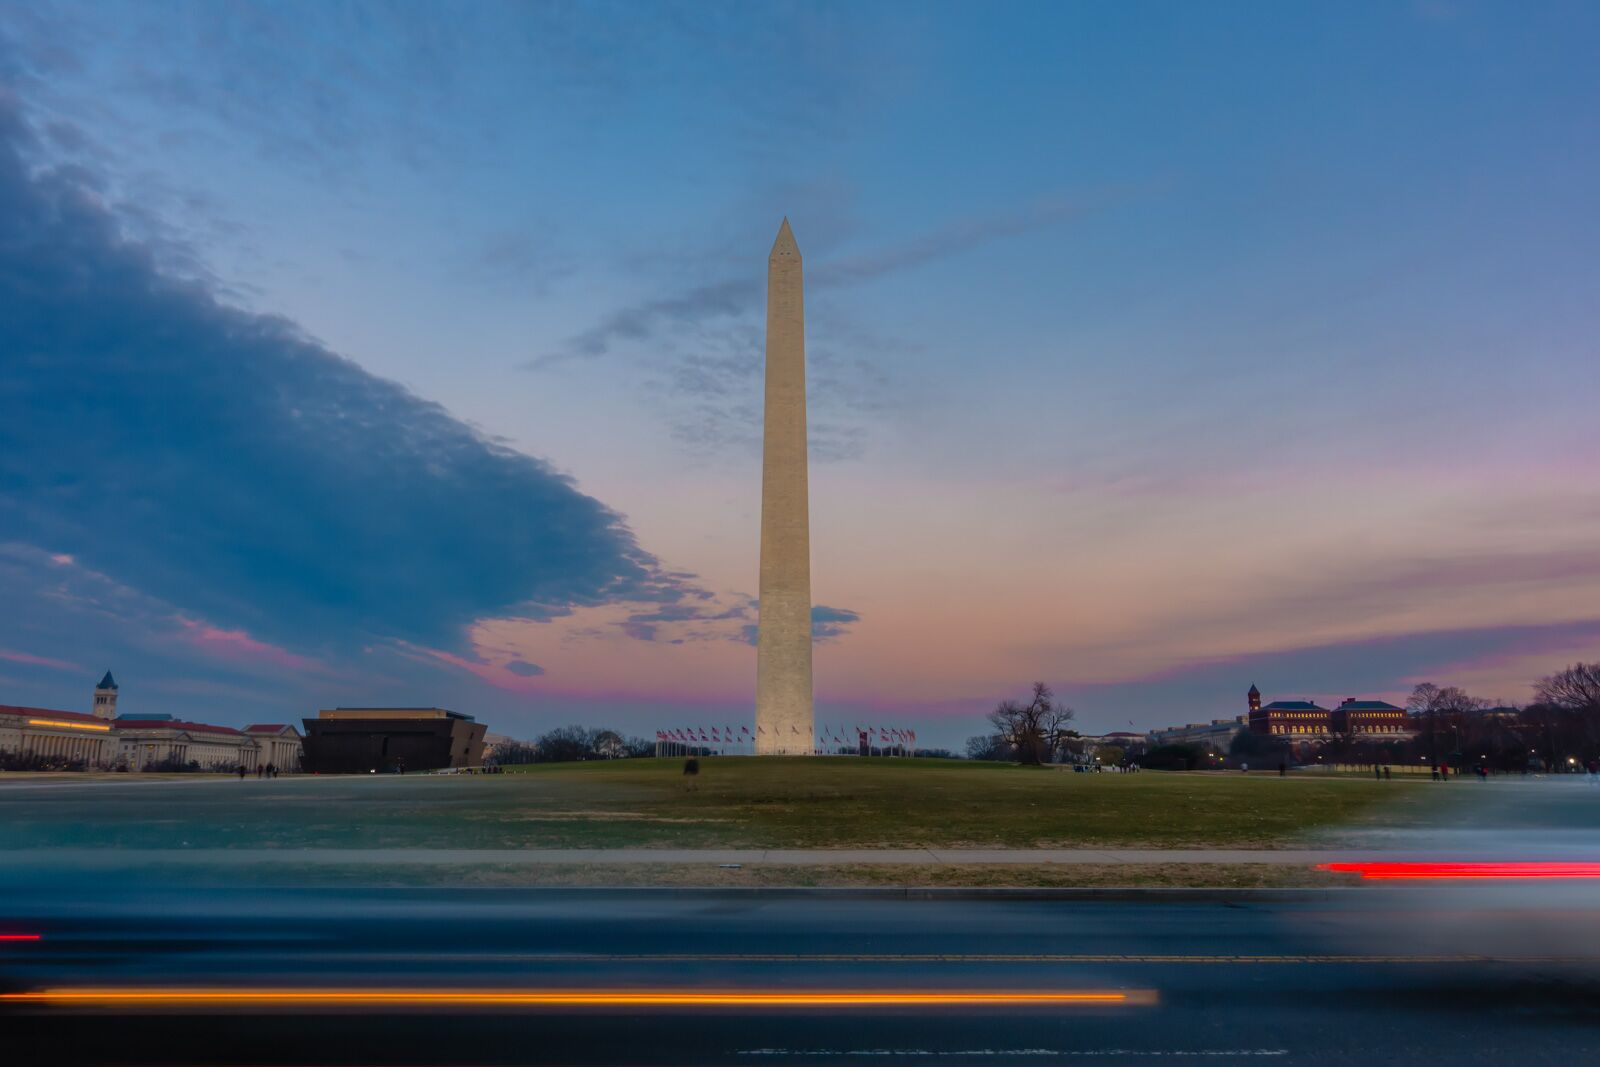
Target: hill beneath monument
845,802
736,802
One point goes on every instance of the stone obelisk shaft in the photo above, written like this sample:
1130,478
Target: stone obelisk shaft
783,647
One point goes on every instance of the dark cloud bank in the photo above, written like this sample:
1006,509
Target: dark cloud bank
227,464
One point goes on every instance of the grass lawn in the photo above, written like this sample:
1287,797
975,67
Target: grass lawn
736,802
823,803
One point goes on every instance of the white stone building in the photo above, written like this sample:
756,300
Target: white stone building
63,738
277,745
1215,735
48,738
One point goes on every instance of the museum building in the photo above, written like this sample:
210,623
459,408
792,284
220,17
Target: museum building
388,740
1305,720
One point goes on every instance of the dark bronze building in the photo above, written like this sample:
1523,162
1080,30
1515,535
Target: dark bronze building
363,740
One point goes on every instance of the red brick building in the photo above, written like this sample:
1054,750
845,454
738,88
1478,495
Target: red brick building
1298,720
1306,720
1370,718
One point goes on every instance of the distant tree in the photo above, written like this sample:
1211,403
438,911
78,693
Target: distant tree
1569,713
1174,757
1557,734
1070,747
570,744
1109,755
510,753
1454,700
988,747
1424,699
1576,689
1443,714
1429,699
1264,748
1033,730
933,753
176,765
565,744
33,761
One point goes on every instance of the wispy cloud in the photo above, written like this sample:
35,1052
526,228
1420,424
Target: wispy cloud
700,348
236,645
699,306
702,306
526,258
29,659
830,623
952,239
827,624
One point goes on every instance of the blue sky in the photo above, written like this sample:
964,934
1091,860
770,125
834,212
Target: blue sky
412,352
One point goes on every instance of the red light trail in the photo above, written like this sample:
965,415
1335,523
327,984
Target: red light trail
1399,871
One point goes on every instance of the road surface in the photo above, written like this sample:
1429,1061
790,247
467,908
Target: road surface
140,972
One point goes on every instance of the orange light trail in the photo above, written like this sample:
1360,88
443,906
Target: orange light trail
59,724
632,998
1395,871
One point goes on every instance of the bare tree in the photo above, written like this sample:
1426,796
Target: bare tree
1574,694
1033,730
1577,688
987,747
1445,710
1430,699
510,752
1424,699
1453,699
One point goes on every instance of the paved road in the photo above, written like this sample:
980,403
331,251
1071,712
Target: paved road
1474,973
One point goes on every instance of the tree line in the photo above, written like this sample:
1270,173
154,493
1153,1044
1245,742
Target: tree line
1558,730
573,744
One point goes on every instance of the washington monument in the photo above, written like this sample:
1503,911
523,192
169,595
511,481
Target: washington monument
783,643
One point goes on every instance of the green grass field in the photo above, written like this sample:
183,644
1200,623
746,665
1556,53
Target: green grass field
736,802
821,803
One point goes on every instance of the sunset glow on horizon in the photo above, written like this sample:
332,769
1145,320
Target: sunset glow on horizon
1256,347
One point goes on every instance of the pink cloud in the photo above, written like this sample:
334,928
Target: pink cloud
238,646
498,675
29,658
1509,673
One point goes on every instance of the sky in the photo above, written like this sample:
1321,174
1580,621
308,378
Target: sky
410,353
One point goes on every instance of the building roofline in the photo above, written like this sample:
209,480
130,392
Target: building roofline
177,724
54,713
